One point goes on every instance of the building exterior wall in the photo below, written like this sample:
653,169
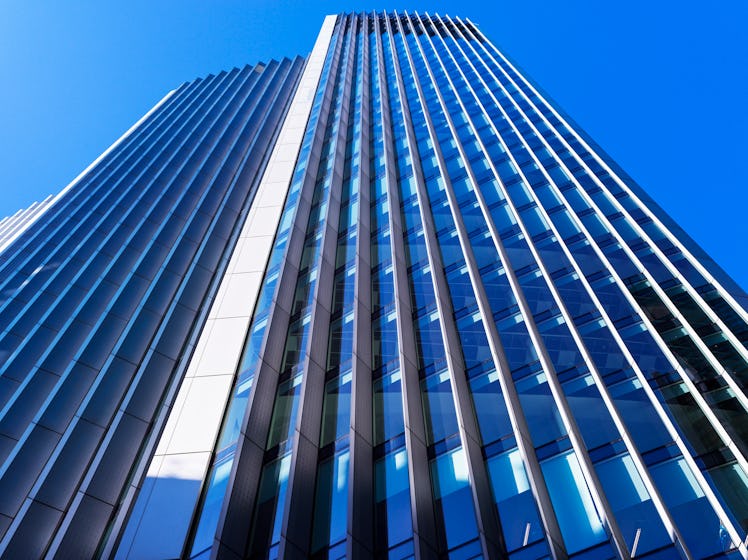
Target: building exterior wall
103,295
436,321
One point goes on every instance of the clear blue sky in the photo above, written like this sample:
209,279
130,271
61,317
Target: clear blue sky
662,86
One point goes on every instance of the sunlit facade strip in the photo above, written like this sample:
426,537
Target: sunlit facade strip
186,444
12,226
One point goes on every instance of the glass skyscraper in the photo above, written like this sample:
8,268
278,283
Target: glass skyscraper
383,302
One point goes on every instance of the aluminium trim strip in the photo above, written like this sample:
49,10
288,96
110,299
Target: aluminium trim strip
487,519
7,407
577,443
246,99
96,180
575,436
633,452
237,510
701,401
248,168
9,219
132,493
673,238
739,347
139,146
91,256
519,425
60,444
9,226
714,502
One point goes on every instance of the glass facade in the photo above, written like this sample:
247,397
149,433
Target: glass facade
387,302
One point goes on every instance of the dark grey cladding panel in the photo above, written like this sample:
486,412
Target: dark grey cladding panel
105,292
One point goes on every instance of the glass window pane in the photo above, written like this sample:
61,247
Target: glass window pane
331,505
388,407
576,513
514,500
337,408
453,499
698,523
540,409
284,414
490,408
392,497
631,504
438,407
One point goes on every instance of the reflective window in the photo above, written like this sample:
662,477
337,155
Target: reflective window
438,407
331,502
453,498
340,349
388,407
392,500
518,513
490,409
336,410
635,513
540,409
702,531
270,503
590,412
576,512
284,413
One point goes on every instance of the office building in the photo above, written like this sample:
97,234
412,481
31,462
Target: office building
383,302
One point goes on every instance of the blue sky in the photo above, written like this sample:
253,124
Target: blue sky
661,86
